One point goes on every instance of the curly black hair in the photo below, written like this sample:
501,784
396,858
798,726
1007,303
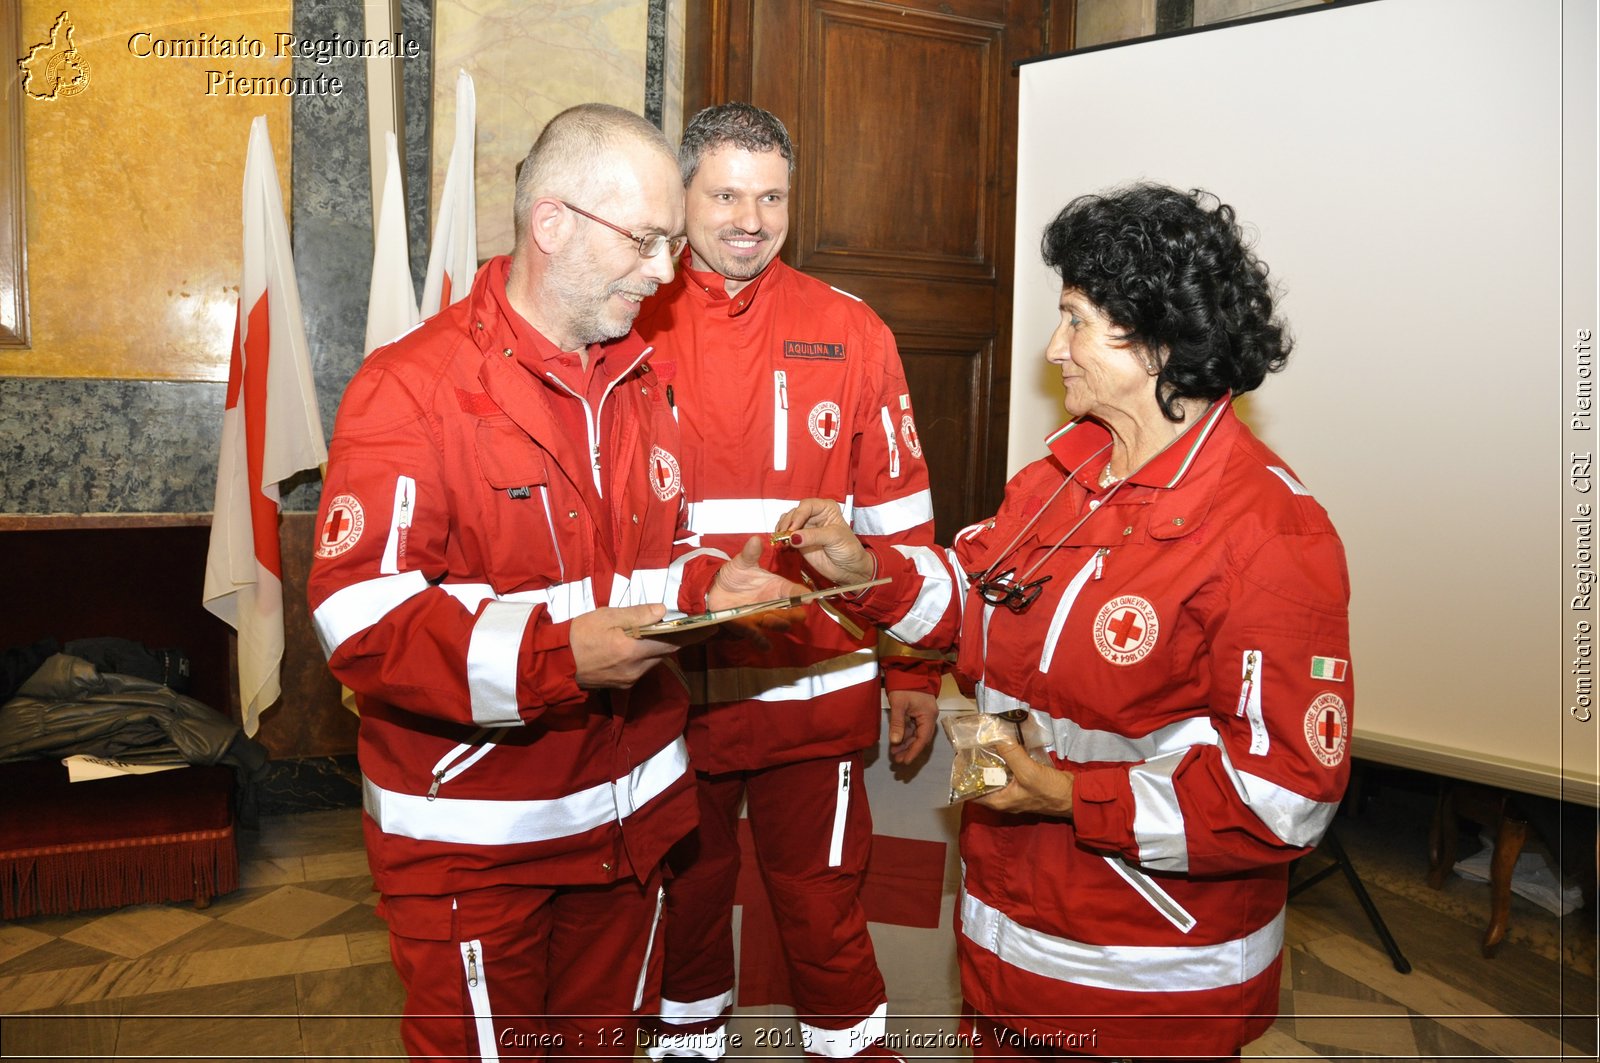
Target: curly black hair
1174,272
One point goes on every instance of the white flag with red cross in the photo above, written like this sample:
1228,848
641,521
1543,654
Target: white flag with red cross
453,254
271,429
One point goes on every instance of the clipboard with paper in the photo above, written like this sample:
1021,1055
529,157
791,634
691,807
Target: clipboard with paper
721,616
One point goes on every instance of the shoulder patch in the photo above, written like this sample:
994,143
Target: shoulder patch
1332,669
908,432
665,477
1327,728
343,526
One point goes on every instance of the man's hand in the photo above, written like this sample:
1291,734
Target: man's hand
742,581
606,655
819,531
1033,786
913,715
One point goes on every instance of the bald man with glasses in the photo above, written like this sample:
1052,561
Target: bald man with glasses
503,506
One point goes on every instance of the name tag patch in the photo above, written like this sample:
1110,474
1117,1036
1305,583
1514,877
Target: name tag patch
833,352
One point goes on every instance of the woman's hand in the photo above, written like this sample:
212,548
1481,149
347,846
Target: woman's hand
1033,786
817,528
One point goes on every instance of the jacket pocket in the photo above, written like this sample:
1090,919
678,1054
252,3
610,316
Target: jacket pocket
1159,899
520,512
1250,701
460,757
780,420
403,516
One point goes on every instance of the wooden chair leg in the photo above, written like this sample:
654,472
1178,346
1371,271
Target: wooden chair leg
1442,838
1509,840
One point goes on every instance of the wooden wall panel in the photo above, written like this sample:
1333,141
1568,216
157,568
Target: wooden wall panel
949,390
908,188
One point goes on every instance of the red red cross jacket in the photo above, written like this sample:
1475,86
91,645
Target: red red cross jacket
1190,656
462,530
790,389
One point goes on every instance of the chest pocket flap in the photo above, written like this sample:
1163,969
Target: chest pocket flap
508,459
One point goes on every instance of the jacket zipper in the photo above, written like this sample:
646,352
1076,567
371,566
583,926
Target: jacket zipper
840,813
454,763
1250,703
555,540
475,965
394,551
893,443
1095,566
649,947
592,416
780,420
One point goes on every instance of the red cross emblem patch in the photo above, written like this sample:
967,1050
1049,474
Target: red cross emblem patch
908,432
664,477
1328,728
1126,629
341,529
824,424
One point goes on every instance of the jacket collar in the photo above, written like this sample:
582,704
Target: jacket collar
711,288
495,330
1077,442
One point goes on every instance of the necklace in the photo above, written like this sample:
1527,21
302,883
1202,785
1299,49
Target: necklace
1106,478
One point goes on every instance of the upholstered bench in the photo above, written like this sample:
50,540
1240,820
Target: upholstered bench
132,839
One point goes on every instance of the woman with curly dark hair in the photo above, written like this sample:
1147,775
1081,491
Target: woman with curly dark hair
1168,603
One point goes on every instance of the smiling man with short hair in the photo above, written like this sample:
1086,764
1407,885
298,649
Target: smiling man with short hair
784,388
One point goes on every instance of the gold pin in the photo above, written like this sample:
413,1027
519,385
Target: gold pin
782,538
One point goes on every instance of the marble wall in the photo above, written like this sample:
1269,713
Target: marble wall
528,62
143,435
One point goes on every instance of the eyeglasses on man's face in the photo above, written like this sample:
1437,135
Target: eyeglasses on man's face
650,244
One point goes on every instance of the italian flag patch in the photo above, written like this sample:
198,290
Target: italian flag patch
1330,668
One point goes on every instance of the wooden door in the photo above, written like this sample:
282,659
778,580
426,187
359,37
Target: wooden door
903,117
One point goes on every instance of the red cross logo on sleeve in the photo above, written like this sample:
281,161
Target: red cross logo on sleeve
908,431
341,529
664,474
1327,728
338,524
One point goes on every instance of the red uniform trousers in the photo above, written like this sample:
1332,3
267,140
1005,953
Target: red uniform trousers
812,831
540,972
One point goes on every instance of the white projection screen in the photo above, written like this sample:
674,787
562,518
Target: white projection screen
1419,175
